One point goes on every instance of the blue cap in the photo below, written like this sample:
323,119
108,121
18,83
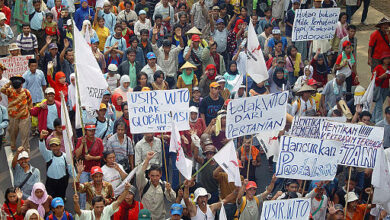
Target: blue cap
57,202
107,92
296,1
220,20
94,40
151,55
176,209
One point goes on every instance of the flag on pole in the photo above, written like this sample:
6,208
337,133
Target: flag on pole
381,180
183,164
89,77
119,189
227,159
67,132
255,63
87,36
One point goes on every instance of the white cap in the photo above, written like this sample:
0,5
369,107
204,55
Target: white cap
49,90
242,86
351,197
112,67
2,16
194,109
201,192
23,154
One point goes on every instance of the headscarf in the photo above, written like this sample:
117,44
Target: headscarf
187,79
72,91
211,66
310,68
114,101
39,201
29,213
259,90
124,78
231,72
238,22
323,68
84,28
277,81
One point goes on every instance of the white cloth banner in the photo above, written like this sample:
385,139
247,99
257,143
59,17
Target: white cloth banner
269,142
361,142
67,133
253,115
315,24
381,179
286,209
368,96
222,213
90,79
307,158
309,127
227,159
183,164
152,111
255,63
119,189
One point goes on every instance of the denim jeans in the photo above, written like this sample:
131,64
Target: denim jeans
365,9
84,177
377,114
350,10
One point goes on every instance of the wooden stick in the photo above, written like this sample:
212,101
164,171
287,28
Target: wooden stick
249,162
346,200
303,189
368,199
165,159
200,169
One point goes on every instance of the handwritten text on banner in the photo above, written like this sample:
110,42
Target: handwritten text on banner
308,158
151,111
315,24
286,209
361,142
15,65
309,127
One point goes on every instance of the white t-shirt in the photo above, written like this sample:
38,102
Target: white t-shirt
112,81
112,176
108,211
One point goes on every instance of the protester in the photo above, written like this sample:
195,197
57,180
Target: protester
13,203
129,208
39,200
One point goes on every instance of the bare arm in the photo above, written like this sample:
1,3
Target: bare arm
48,41
230,24
122,197
66,45
190,206
235,57
76,204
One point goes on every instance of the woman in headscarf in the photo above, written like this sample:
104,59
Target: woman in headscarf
59,84
235,35
278,83
307,74
232,76
117,100
39,200
72,91
197,127
320,68
124,87
88,28
258,89
32,214
187,79
129,208
207,78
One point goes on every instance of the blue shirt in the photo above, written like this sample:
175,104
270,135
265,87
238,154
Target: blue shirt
271,42
34,83
111,40
52,114
289,18
64,217
57,168
20,176
36,20
50,3
109,20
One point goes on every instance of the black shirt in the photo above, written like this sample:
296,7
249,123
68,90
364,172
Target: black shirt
210,107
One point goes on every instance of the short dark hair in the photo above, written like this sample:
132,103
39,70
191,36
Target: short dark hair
157,16
49,14
364,113
30,61
337,112
155,167
98,199
8,191
117,25
181,5
351,26
127,2
267,9
158,74
123,105
267,26
57,122
222,6
130,50
107,152
144,31
25,25
133,38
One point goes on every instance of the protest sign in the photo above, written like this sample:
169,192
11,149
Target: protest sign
150,111
361,142
309,127
268,141
15,65
315,24
307,158
286,209
252,115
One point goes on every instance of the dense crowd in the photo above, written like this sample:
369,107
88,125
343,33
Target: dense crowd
161,45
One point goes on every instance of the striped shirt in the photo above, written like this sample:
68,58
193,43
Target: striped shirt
29,42
121,150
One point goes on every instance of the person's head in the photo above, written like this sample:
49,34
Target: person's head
49,17
158,76
32,214
292,185
352,200
166,44
201,197
241,90
148,137
125,109
142,15
164,2
385,58
221,81
84,4
118,29
215,11
144,35
220,24
69,55
131,54
60,78
194,113
387,114
347,47
183,17
339,215
106,6
33,65
53,49
254,19
10,196
340,79
125,82
26,29
247,143
57,205
100,21
296,4
177,28
14,49
98,204
158,20
196,40
106,96
39,191
317,3
50,94
250,189
134,42
279,72
3,18
176,211
109,158
90,129
37,5
154,174
292,51
214,89
352,182
57,3
130,196
102,110
343,17
55,146
196,93
278,46
268,29
151,59
142,79
213,48
308,70
121,128
365,117
243,12
97,174
209,151
73,78
351,30
268,12
182,8
23,159
57,125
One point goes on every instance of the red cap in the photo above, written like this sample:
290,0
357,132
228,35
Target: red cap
251,184
195,37
346,43
312,82
96,169
385,54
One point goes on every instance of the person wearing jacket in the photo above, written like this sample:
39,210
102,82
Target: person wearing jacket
83,13
59,84
46,110
130,67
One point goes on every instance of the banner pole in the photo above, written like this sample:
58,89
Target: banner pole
346,200
200,169
368,200
249,162
165,159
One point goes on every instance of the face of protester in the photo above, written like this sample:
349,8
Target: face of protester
26,30
98,208
366,120
351,33
106,99
131,57
166,49
209,155
159,79
183,19
152,62
244,12
194,115
220,26
120,130
110,160
293,187
353,204
280,75
142,80
250,193
196,95
95,46
134,44
58,210
278,47
384,27
352,185
296,5
202,201
320,192
62,80
294,52
84,4
55,148
155,177
69,56
158,22
102,112
125,111
340,81
97,177
129,198
214,90
213,49
148,137
348,49
241,91
254,19
34,217
188,71
119,100
196,44
126,85
317,4
73,80
118,31
12,197
144,37
58,129
14,52
343,19
90,133
306,95
23,162
50,98
339,215
39,193
101,22
33,67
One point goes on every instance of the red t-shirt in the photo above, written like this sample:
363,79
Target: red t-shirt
383,83
12,208
95,150
380,45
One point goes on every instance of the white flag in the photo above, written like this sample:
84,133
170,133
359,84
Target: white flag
269,142
255,63
67,132
183,164
381,180
89,76
119,189
227,159
222,213
368,96
87,36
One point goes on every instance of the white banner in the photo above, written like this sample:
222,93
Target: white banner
227,159
361,142
67,132
309,127
381,179
183,164
255,63
150,112
255,114
269,142
286,209
315,24
15,65
307,158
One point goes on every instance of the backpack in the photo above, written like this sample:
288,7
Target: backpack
51,217
243,205
147,186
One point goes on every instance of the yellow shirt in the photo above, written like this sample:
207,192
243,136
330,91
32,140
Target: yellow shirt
317,99
102,34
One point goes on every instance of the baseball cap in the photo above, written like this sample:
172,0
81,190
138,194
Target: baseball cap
112,68
276,30
215,7
96,169
2,16
176,209
49,90
57,202
195,89
103,106
194,109
296,1
339,207
22,155
90,126
221,80
142,12
251,184
95,40
195,37
219,20
53,46
132,190
151,55
144,214
55,141
214,85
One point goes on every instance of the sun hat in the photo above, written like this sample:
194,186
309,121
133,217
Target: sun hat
201,192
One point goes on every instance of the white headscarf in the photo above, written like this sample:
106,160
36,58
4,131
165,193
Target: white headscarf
87,23
124,78
310,68
30,212
72,92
